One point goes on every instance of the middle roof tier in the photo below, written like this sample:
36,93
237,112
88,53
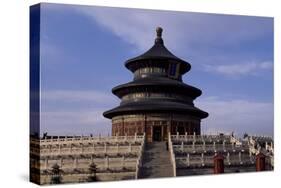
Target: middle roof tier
156,84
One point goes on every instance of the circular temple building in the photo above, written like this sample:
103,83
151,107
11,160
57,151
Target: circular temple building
156,102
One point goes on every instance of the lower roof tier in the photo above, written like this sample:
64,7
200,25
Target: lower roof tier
149,106
161,83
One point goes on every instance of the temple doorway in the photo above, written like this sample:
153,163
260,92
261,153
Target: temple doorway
157,133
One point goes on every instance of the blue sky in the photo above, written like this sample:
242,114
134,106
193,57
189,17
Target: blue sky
83,50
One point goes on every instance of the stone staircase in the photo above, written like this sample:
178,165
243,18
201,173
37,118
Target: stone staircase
156,161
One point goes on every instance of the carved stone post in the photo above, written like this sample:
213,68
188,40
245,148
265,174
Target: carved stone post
130,147
204,146
228,158
123,162
106,162
188,159
202,159
75,162
46,163
240,158
214,147
105,147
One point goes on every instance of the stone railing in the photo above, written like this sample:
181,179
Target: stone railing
86,139
207,148
103,164
204,160
262,138
90,150
199,138
107,154
172,155
140,158
198,150
87,146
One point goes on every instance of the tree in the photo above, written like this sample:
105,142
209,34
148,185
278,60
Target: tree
245,135
56,175
93,172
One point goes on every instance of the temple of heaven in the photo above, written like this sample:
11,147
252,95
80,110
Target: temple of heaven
157,101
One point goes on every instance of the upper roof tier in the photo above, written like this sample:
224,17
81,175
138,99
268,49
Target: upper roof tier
157,52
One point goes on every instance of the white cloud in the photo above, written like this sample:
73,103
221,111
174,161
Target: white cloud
239,116
70,96
137,26
250,68
266,65
224,116
75,122
202,34
68,112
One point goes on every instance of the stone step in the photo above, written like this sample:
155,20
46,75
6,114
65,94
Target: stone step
156,161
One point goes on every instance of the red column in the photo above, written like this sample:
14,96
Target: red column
260,162
123,128
218,164
113,130
189,129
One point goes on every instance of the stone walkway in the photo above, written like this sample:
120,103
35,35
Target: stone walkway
156,161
